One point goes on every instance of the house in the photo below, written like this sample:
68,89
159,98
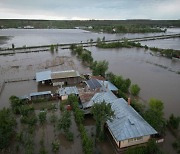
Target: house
65,92
69,77
128,127
108,97
41,95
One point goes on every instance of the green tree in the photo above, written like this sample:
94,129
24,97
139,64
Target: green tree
7,127
101,113
100,68
53,118
55,146
135,89
155,115
65,121
174,121
52,48
42,117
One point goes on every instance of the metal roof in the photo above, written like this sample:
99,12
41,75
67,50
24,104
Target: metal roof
127,123
42,76
64,74
40,93
108,85
68,91
108,97
93,84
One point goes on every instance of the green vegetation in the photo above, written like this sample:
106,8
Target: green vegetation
7,127
121,25
124,44
151,148
174,121
52,48
121,83
176,145
42,117
101,113
135,89
128,29
83,54
87,142
154,115
170,53
99,67
64,123
55,146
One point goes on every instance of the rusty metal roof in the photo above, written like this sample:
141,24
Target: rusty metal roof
64,74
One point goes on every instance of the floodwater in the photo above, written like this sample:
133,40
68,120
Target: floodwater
156,76
32,37
172,43
24,67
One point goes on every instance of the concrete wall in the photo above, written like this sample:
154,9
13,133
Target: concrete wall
127,143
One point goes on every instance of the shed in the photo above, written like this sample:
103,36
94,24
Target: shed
65,92
43,76
41,95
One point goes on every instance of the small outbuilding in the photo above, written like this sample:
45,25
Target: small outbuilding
65,92
41,95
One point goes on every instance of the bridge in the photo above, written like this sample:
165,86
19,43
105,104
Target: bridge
4,51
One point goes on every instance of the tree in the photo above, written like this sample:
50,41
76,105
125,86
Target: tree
52,48
42,117
101,113
174,121
155,115
53,118
55,146
100,68
65,121
135,89
7,127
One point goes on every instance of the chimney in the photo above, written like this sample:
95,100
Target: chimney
129,101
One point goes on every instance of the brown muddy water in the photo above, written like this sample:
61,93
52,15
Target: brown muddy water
24,67
157,76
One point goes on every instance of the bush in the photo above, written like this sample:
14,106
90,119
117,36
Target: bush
42,117
135,89
69,136
7,127
174,121
55,146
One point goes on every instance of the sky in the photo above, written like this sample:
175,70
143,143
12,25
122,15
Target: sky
90,9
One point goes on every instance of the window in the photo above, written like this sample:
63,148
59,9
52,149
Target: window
135,139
